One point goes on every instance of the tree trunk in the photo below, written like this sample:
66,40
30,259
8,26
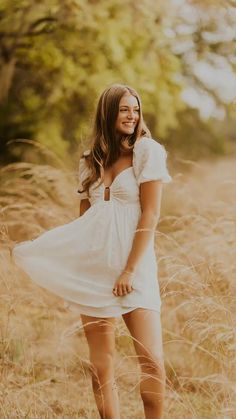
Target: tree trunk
6,76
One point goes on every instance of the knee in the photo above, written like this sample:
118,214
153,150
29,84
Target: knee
102,365
152,362
152,381
152,367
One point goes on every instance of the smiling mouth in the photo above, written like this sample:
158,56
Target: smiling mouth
129,124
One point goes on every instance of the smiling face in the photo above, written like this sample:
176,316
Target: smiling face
128,115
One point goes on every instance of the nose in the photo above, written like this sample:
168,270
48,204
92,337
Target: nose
131,114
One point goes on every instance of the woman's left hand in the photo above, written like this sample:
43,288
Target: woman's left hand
123,285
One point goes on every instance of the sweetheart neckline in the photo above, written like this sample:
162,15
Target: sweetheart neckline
122,171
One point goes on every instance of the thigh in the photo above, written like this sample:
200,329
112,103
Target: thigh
100,334
145,328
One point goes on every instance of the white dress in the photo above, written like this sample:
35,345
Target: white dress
81,260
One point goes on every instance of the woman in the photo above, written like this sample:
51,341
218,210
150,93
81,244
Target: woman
103,263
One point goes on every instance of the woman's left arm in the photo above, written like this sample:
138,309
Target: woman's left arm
150,200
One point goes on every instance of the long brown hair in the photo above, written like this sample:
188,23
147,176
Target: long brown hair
106,144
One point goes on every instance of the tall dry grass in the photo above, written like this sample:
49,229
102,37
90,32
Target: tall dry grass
44,355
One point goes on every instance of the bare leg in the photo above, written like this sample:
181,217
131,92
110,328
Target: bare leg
100,334
145,328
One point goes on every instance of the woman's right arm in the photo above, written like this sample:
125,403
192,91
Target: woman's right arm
84,206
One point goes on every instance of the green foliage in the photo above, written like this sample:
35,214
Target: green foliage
57,58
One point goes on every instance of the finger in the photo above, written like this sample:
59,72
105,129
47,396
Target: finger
115,291
129,288
119,290
124,289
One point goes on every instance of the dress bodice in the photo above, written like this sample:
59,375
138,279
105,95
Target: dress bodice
123,189
148,163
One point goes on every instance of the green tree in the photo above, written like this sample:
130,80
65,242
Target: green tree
57,58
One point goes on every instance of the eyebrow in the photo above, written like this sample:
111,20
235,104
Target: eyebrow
126,106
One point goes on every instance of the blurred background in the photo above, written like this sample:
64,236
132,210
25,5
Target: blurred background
56,57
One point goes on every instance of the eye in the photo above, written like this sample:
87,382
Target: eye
124,110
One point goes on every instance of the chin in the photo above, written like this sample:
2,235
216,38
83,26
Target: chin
127,131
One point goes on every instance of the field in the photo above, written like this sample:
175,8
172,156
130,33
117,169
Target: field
44,356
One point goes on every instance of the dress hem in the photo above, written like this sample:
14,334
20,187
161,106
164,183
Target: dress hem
94,311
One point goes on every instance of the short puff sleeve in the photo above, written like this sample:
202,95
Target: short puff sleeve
150,161
82,175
